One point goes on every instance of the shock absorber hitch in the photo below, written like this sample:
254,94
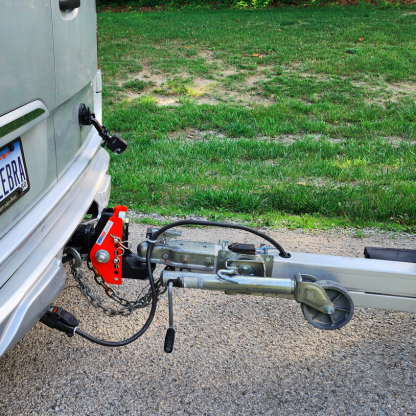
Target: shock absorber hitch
106,245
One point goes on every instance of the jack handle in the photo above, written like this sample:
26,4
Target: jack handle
170,333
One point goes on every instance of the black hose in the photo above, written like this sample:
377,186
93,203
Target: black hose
282,253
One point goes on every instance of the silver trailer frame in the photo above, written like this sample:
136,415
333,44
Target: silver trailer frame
371,283
379,284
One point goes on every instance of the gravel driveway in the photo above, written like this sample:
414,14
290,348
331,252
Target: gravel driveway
234,355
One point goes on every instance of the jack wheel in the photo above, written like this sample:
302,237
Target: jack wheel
344,307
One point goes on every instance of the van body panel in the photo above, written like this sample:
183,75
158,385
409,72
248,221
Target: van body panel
27,83
22,307
38,144
75,45
32,228
69,135
27,69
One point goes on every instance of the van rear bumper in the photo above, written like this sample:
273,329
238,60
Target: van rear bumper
40,277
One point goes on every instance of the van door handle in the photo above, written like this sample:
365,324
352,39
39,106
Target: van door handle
65,5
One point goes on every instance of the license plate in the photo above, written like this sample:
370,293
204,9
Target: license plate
14,182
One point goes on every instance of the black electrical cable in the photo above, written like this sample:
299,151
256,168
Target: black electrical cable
282,253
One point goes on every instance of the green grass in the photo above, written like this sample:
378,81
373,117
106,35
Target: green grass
332,147
313,38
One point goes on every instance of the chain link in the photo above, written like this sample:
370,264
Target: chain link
128,307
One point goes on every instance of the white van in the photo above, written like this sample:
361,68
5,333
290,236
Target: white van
52,170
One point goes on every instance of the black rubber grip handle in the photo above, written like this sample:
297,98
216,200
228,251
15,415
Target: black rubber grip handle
169,340
65,5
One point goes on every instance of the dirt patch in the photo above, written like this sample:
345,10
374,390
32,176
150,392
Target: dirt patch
164,100
397,141
192,134
388,92
393,92
145,75
325,182
201,90
228,72
248,91
196,134
400,90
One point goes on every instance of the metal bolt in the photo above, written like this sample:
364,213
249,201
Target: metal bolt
267,258
116,279
102,256
165,256
185,259
329,310
245,267
208,262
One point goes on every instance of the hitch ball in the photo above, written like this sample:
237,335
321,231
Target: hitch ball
102,256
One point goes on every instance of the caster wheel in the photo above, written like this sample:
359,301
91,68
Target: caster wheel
344,307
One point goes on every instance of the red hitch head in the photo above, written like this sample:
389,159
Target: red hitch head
106,254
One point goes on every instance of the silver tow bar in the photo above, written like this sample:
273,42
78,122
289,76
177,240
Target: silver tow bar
325,304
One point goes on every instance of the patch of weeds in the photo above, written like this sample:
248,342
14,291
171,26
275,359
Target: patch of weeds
352,51
191,52
359,234
137,85
234,80
133,66
176,86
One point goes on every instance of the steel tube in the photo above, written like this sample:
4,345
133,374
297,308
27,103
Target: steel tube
246,284
170,297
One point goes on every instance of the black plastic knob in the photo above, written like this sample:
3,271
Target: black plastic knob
169,340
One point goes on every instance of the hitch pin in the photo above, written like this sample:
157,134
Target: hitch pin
222,274
170,333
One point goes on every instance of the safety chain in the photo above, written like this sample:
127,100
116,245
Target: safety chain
128,306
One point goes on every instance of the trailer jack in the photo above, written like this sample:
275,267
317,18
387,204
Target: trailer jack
326,287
